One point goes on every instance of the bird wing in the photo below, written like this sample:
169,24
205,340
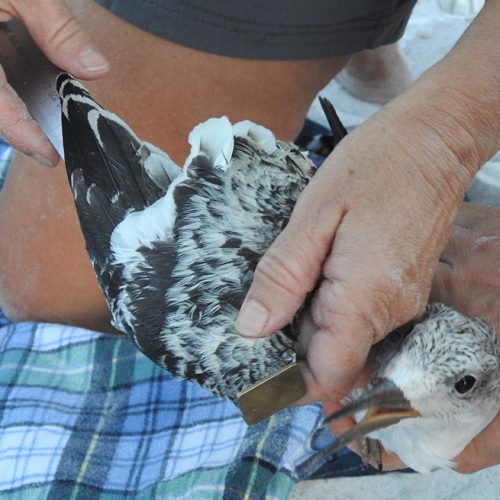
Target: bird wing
336,126
111,171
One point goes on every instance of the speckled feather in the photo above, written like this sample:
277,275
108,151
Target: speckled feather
175,250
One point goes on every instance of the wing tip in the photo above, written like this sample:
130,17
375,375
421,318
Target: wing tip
336,126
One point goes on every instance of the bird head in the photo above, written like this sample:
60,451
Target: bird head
446,369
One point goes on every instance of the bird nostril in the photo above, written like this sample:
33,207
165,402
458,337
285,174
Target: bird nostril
465,384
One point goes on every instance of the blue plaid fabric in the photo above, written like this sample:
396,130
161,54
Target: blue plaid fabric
6,154
83,413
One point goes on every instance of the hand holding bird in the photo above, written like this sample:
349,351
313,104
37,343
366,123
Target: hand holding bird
468,278
62,39
431,392
174,252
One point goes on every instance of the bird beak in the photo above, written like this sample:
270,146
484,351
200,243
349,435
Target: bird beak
386,406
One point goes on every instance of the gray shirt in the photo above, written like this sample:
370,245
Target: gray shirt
270,30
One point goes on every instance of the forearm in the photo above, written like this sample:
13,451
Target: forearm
458,101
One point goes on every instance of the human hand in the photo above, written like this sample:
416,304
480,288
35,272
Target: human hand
372,223
59,35
467,278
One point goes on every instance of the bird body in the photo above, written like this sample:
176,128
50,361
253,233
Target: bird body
175,249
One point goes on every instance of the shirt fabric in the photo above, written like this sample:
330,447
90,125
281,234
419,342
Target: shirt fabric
277,30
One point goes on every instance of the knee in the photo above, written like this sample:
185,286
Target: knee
16,302
26,296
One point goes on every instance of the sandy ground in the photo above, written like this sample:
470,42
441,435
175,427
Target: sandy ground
441,485
433,29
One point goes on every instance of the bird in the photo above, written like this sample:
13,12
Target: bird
175,249
432,389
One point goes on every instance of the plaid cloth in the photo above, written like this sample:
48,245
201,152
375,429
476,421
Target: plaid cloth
85,415
6,154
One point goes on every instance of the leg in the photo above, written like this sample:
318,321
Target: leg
162,90
377,75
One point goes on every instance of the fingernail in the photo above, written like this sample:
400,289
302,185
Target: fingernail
41,159
93,60
252,319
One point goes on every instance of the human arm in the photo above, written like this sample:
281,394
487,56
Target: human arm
373,221
57,32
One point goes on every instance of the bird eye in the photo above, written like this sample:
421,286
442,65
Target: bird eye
465,384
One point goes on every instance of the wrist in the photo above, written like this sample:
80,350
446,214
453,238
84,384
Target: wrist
463,95
462,113
458,100
427,135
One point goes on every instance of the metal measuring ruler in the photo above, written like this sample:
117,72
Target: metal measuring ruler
33,77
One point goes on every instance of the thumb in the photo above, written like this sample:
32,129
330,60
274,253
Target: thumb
60,36
287,272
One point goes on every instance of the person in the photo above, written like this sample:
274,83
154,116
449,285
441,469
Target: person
373,222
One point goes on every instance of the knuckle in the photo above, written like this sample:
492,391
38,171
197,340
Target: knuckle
274,271
63,32
376,306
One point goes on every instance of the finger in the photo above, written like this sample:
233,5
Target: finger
340,426
455,244
332,376
472,459
290,268
367,370
5,16
348,325
483,451
60,36
390,461
448,266
441,283
20,130
468,215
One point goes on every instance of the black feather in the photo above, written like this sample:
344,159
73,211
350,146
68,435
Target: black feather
338,130
105,166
